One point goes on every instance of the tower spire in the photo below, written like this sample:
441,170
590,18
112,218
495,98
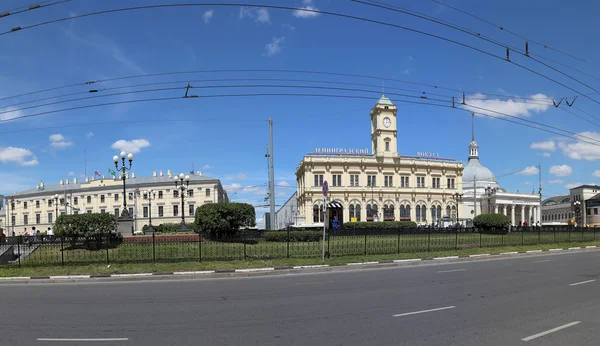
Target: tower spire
472,127
473,147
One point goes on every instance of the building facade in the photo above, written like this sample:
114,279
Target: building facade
585,205
39,207
287,215
557,210
382,185
483,194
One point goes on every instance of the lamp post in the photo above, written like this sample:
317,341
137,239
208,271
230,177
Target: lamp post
123,169
150,195
12,214
489,191
577,205
179,184
457,197
56,207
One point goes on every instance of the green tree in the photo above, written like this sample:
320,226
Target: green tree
219,220
491,223
91,227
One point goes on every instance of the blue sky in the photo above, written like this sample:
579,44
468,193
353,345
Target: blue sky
226,137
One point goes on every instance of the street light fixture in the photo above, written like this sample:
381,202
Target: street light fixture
56,207
577,205
123,169
457,197
489,191
151,195
179,184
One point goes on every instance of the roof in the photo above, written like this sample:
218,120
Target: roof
384,101
586,187
48,189
562,199
475,171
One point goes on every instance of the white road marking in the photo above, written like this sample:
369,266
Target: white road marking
84,340
533,251
582,282
541,261
535,336
128,275
480,255
195,272
446,257
424,311
509,253
574,248
450,271
555,249
249,270
312,266
591,247
407,260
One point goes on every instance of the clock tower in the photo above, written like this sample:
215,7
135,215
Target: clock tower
383,129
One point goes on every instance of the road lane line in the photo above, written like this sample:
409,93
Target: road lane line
84,340
424,311
509,253
582,282
541,261
480,255
451,270
533,251
446,257
555,250
535,336
575,248
407,260
591,247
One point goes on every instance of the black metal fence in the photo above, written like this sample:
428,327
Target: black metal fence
52,250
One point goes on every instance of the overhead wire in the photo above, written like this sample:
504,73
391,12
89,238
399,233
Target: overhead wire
507,30
28,8
289,8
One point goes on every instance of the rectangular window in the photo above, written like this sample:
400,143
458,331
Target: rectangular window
387,146
595,211
75,200
89,211
190,193
130,211
38,219
207,192
49,203
337,180
116,197
371,180
25,219
49,217
102,211
354,180
175,194
420,181
24,205
101,198
37,204
404,181
388,182
191,210
62,213
160,211
131,196
450,183
89,199
145,211
160,194
175,210
117,212
62,201
14,219
318,180
435,182
76,212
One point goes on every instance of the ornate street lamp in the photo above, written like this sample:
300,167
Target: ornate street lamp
457,197
55,207
179,184
489,191
123,169
151,195
577,205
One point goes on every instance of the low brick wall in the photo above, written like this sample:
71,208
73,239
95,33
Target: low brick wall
163,238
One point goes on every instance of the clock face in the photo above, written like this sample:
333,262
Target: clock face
387,122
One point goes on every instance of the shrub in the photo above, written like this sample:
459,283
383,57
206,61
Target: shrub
380,225
492,223
93,227
296,236
223,220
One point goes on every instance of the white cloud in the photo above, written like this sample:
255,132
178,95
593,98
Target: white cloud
58,141
233,187
556,181
289,27
531,170
134,146
411,58
547,145
239,189
573,185
274,47
596,173
89,135
21,156
71,174
581,150
511,107
260,15
205,167
546,154
527,183
407,71
207,16
561,171
283,184
306,10
240,176
10,113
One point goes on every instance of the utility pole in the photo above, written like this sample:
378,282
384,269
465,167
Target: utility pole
271,176
474,196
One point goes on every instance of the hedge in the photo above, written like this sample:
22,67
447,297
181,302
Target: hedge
296,236
379,225
492,223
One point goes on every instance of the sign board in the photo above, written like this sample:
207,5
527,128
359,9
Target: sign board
427,155
341,151
325,188
353,219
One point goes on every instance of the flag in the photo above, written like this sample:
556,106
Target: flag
111,172
96,173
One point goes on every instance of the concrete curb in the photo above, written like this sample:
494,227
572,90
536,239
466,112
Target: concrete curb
279,270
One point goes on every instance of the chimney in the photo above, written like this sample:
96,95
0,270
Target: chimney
42,183
154,174
161,174
102,176
132,175
37,186
74,180
67,181
199,173
93,178
61,182
169,173
127,175
87,179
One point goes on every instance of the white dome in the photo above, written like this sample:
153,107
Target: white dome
475,171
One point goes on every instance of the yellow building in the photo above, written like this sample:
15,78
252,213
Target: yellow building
381,185
39,207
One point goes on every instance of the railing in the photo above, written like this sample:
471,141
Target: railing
54,250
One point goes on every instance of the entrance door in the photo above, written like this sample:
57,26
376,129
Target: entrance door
335,210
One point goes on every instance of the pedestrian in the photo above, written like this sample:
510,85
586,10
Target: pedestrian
336,224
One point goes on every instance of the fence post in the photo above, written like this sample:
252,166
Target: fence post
62,251
582,234
19,249
244,244
107,241
328,237
456,238
479,238
199,247
569,234
288,243
522,236
365,243
594,233
153,248
398,250
428,239
502,239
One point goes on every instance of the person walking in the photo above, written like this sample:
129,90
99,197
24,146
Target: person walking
336,224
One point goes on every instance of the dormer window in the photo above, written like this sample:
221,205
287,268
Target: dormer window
386,107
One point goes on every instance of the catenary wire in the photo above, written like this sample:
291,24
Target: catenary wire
291,95
467,31
335,14
29,8
509,31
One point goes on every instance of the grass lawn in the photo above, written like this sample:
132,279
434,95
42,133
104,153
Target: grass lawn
122,268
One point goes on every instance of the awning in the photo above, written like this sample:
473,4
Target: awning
335,205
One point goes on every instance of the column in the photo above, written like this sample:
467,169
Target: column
495,208
363,212
538,214
523,208
512,214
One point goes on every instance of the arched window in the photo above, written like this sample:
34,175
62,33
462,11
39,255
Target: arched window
402,212
423,213
433,214
448,211
454,211
357,212
418,213
388,213
407,212
371,212
351,211
439,211
317,214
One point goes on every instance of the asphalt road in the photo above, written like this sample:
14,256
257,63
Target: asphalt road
546,300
